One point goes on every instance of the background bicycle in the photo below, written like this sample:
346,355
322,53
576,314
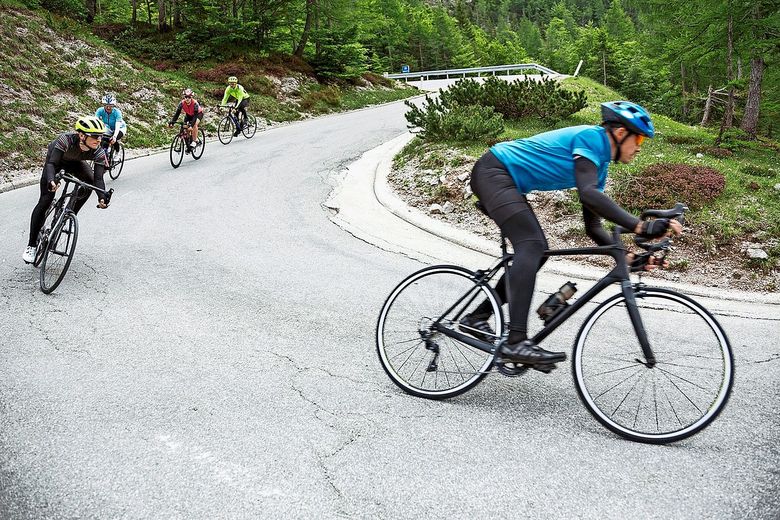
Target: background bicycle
650,364
59,233
229,123
116,160
182,144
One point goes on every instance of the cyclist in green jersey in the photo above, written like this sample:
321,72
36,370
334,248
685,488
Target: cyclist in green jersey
236,92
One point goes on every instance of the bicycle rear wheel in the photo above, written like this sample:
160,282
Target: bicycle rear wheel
117,162
250,126
679,396
420,360
177,151
225,130
197,151
59,252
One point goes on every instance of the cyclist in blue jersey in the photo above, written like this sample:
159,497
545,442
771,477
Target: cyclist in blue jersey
577,156
112,118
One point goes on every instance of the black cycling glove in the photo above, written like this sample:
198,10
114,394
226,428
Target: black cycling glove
655,228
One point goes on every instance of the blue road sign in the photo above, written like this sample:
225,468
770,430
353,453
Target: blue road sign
404,69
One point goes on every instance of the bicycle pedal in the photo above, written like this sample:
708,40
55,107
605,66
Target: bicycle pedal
509,368
546,368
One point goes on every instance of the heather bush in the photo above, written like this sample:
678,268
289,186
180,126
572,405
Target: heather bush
662,185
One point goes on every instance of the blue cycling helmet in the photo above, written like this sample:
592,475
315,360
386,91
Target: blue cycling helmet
630,115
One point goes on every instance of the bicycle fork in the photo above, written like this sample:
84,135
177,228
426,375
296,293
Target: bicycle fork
636,320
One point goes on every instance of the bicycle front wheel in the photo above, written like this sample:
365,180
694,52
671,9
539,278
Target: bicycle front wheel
225,130
117,162
420,360
59,252
197,151
177,151
250,126
677,397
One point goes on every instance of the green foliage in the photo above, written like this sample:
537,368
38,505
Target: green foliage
662,185
322,100
543,99
339,56
457,123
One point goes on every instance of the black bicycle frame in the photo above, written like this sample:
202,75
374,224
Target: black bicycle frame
619,273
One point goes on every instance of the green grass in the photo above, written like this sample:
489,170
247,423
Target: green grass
748,209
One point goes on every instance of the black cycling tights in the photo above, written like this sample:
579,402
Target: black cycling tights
78,169
529,244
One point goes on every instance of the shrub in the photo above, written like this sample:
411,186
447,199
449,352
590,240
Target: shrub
681,139
220,73
713,151
459,123
662,185
758,171
321,100
376,79
519,99
71,80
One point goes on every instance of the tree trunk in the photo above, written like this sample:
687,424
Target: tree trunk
739,67
162,17
604,66
311,5
705,120
750,121
235,8
134,19
684,94
176,13
149,11
728,115
91,6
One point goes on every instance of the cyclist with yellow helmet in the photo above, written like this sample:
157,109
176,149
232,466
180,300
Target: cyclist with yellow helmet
236,92
70,152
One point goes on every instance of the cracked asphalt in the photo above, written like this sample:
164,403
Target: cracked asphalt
210,354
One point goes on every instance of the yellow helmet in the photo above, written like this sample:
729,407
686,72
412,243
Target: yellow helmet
232,79
90,125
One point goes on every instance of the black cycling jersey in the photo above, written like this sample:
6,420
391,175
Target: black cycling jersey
64,153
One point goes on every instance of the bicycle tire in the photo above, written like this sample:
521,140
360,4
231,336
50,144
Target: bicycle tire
43,235
225,130
177,151
689,345
197,152
403,334
58,255
250,126
117,164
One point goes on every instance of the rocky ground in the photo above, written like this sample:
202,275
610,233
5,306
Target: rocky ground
445,195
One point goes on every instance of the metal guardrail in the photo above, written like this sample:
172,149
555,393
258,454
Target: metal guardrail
478,71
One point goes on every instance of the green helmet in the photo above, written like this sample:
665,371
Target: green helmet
90,125
232,79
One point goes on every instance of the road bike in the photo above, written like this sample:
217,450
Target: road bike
229,123
57,237
116,157
650,364
182,143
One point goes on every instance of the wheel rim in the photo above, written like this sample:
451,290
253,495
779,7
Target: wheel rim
59,253
403,331
225,130
682,394
177,151
198,152
250,127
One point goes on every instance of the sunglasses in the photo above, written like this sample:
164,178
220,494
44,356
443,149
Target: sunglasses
640,139
187,97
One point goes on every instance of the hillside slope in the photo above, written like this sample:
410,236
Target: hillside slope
53,70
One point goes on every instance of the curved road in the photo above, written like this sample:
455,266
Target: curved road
210,354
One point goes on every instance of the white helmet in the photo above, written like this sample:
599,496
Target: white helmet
109,99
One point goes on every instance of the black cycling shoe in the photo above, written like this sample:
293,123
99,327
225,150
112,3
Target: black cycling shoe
528,353
477,327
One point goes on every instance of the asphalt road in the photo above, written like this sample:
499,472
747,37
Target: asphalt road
210,354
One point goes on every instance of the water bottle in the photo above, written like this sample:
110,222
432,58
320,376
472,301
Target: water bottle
556,302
